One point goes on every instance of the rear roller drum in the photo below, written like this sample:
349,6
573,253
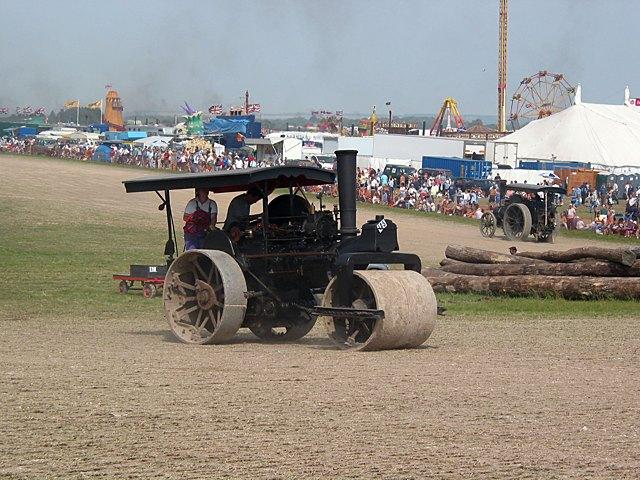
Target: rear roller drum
409,306
204,297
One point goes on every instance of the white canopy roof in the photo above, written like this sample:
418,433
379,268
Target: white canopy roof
607,136
153,141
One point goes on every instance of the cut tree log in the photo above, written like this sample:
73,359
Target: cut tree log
594,268
624,256
572,288
475,255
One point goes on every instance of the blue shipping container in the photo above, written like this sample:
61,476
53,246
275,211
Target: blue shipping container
459,167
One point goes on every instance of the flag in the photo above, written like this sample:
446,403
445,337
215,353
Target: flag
27,110
97,104
4,110
39,111
72,104
215,109
108,86
315,113
388,104
339,113
253,108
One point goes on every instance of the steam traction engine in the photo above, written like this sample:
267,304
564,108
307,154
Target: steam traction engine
277,272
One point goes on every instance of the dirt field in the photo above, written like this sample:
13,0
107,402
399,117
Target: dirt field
83,396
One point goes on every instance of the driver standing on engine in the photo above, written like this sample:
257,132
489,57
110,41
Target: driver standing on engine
200,215
240,207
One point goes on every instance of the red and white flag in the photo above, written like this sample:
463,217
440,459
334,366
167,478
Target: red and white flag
215,109
27,110
4,110
39,111
253,108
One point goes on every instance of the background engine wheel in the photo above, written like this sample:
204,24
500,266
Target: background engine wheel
549,237
204,297
517,222
488,223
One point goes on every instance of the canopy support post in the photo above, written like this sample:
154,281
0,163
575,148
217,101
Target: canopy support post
265,214
170,246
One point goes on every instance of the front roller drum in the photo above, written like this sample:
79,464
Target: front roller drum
204,297
409,305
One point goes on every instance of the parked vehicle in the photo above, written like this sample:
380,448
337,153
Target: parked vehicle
395,171
468,183
328,162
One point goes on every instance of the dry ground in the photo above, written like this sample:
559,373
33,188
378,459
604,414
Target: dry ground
484,398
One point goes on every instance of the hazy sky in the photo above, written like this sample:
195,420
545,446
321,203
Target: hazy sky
298,55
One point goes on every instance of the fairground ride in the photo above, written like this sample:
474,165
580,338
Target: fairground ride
539,96
448,110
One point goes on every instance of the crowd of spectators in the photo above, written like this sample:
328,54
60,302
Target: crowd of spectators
426,192
607,215
172,157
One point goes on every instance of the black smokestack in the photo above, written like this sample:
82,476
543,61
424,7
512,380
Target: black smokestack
346,167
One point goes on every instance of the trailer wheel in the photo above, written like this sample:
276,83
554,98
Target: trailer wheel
204,297
149,290
123,286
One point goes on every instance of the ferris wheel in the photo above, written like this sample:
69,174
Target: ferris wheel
539,96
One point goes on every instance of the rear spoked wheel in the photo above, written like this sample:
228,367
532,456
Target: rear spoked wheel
204,297
298,328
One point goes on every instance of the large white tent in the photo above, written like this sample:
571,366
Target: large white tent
606,136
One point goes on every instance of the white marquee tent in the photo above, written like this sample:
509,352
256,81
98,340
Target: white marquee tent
606,136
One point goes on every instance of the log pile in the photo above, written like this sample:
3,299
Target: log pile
578,274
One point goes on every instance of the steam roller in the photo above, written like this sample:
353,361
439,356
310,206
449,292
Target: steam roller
279,271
